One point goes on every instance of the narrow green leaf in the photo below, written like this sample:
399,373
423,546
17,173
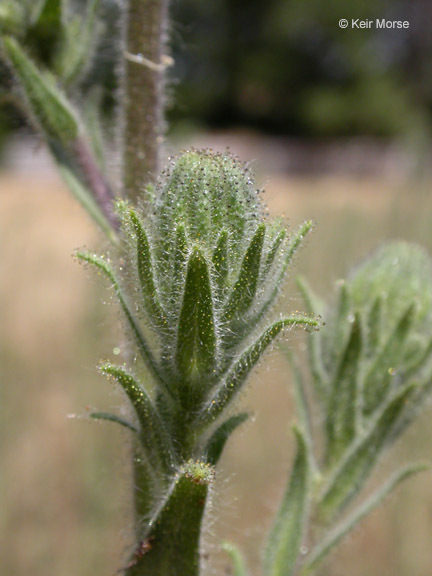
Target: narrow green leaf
336,336
266,298
45,102
272,253
220,261
153,435
355,467
419,361
146,273
417,403
377,381
302,404
45,30
291,248
313,306
218,439
243,366
113,418
294,244
48,14
58,123
341,419
332,539
244,290
102,265
176,526
238,562
374,327
283,546
196,338
79,44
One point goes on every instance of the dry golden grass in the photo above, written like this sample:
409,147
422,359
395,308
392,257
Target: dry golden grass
64,504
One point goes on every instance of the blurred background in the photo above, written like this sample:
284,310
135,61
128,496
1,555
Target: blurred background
338,126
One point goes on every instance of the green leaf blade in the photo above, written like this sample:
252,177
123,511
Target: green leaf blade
286,536
342,410
243,366
355,467
332,539
45,102
273,251
108,417
78,45
153,434
238,562
49,14
146,273
374,326
244,290
103,266
196,339
290,249
319,374
378,380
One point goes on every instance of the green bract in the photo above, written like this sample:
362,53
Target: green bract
197,273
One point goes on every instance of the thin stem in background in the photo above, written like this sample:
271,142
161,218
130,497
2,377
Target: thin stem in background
145,63
95,180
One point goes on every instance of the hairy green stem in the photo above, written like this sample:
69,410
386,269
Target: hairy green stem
145,63
171,545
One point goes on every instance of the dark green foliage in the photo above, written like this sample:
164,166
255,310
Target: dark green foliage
333,82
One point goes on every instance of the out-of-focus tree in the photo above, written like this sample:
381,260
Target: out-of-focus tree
288,67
